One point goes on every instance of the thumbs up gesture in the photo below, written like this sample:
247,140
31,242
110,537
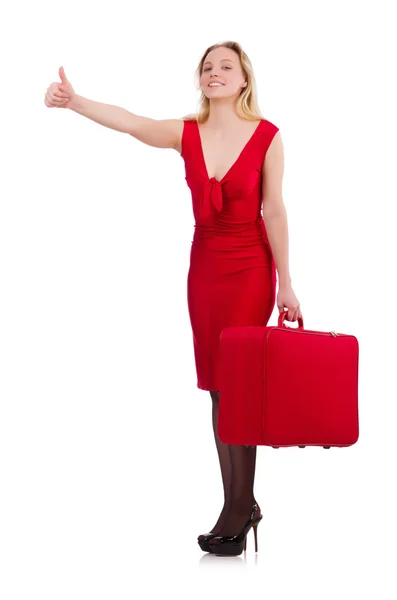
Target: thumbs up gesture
60,94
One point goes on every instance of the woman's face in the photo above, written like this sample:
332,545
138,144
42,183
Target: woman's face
222,65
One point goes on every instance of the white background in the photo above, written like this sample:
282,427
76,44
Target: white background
108,465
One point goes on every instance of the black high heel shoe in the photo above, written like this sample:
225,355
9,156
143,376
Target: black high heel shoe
233,545
203,540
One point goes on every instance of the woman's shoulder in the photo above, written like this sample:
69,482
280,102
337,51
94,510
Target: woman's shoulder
270,126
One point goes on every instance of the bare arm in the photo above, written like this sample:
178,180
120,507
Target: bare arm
273,208
164,133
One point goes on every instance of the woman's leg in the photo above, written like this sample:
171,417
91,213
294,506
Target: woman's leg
224,461
243,458
242,498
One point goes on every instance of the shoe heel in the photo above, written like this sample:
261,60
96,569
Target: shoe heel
255,528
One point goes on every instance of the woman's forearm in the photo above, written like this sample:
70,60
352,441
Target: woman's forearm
108,115
277,232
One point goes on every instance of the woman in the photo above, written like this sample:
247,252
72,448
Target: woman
234,167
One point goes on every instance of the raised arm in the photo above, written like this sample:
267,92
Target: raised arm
160,133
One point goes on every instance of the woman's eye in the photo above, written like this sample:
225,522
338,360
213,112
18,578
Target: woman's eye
224,67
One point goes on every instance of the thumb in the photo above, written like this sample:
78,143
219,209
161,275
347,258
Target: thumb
62,75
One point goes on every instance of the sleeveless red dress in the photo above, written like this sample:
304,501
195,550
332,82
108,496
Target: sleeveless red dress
232,275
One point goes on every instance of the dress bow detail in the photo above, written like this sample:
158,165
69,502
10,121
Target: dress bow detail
212,195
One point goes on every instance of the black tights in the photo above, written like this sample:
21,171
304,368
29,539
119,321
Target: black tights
238,472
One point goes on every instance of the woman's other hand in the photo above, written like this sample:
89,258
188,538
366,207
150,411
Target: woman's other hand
286,300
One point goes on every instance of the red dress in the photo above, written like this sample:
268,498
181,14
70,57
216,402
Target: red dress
232,275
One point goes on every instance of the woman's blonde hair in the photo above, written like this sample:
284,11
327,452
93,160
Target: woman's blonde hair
247,104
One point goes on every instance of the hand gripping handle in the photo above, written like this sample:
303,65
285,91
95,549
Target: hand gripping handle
283,316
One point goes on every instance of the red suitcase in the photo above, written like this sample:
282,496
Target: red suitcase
287,386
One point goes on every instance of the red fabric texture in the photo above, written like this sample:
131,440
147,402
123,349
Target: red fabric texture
232,275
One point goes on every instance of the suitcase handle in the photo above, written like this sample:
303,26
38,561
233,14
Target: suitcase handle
283,316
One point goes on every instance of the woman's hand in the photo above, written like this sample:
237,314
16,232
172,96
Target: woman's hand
61,94
286,300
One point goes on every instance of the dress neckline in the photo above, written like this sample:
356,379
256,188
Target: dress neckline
237,159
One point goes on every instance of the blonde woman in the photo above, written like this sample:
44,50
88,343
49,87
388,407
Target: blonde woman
234,168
